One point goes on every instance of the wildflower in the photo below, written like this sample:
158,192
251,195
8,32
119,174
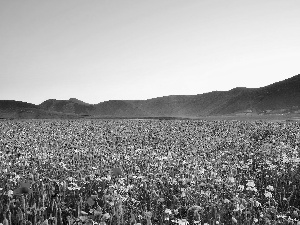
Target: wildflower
251,189
257,203
183,222
295,214
97,212
234,220
83,213
250,183
168,211
45,222
241,187
268,194
106,216
202,171
161,199
270,188
108,177
10,193
226,200
239,207
231,179
148,214
281,216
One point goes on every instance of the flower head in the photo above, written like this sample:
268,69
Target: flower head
270,188
250,183
268,194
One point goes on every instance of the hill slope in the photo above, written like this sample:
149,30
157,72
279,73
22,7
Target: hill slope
280,97
10,109
67,106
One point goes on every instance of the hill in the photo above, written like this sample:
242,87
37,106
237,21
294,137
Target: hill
71,106
282,97
10,109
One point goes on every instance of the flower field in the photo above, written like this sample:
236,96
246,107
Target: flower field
149,172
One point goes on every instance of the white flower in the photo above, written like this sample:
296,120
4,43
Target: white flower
226,200
183,222
296,160
71,179
239,207
241,187
251,183
168,211
202,171
10,193
270,188
106,216
284,158
281,216
268,194
257,203
231,179
251,189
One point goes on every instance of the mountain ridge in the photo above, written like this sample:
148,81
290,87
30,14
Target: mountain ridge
280,97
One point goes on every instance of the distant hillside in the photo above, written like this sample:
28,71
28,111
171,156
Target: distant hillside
279,98
70,106
113,108
10,109
118,108
11,105
75,100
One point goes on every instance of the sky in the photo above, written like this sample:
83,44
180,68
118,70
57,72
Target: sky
100,50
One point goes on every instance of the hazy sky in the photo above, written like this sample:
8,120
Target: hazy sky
98,50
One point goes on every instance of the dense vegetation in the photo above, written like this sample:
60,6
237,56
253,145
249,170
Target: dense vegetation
149,172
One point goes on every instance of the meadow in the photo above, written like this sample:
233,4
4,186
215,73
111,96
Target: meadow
149,172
